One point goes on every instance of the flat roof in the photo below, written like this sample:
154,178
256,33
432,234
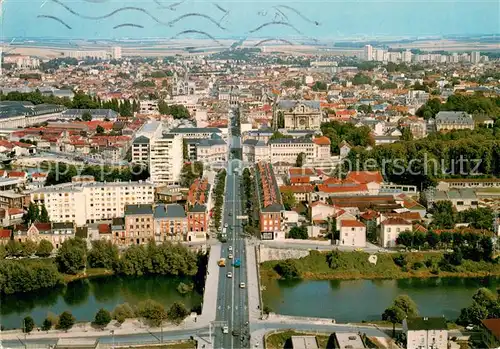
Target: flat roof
304,342
348,340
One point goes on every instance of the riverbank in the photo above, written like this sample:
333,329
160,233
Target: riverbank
355,265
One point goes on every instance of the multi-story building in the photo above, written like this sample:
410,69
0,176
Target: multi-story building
139,225
368,53
269,202
426,332
454,120
198,201
165,159
55,233
390,230
148,107
140,150
116,52
170,223
352,233
299,115
287,150
83,203
211,150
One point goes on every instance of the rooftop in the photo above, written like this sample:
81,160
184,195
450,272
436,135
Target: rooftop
426,323
138,210
304,342
348,340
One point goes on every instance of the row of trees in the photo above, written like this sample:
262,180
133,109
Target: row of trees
219,189
176,110
421,162
36,213
475,104
27,248
251,202
445,217
152,312
338,132
298,233
62,173
403,306
485,305
479,245
18,276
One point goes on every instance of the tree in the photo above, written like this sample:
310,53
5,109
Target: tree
99,129
28,324
29,248
394,315
402,307
406,135
301,158
86,116
177,312
46,325
123,312
405,303
443,215
152,311
289,200
32,214
102,318
287,269
44,215
405,238
298,233
13,248
320,86
72,256
103,254
3,252
44,249
432,239
191,171
66,321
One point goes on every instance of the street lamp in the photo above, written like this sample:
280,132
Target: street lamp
113,340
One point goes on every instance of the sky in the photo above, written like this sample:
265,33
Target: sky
287,20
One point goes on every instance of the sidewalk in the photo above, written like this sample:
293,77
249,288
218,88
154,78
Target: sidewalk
209,307
253,283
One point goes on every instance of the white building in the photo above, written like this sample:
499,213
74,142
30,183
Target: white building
210,151
368,53
165,159
352,233
390,229
140,150
148,107
116,52
90,202
426,333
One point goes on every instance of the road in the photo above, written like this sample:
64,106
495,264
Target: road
232,299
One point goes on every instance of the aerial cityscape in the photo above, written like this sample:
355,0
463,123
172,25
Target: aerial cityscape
197,174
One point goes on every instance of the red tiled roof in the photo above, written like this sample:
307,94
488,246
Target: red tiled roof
104,228
18,174
369,215
300,179
14,211
322,140
306,188
5,233
420,228
332,180
409,216
342,188
351,223
43,226
493,325
298,171
38,175
364,177
396,221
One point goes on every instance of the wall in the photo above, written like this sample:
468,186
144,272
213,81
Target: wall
273,254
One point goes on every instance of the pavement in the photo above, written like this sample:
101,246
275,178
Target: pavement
232,300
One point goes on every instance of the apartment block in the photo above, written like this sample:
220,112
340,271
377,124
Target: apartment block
198,201
170,223
165,159
91,202
139,224
269,202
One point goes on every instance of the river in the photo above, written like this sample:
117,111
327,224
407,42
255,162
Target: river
358,300
85,297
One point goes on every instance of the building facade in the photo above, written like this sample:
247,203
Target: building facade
165,159
426,333
299,114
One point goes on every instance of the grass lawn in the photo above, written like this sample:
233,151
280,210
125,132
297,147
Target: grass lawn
278,340
355,265
89,272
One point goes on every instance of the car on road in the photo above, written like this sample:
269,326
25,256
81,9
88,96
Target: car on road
225,329
230,248
242,285
469,327
230,256
229,275
225,225
230,214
